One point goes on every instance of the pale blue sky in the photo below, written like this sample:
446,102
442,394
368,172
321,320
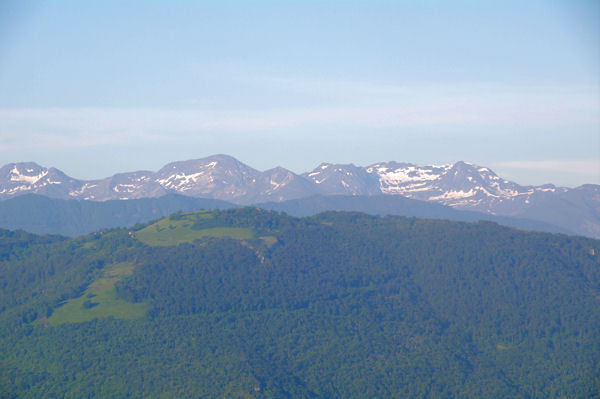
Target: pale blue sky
99,87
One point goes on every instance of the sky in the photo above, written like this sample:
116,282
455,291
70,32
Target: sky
99,87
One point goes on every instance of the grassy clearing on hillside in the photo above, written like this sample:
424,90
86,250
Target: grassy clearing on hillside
173,231
100,300
269,240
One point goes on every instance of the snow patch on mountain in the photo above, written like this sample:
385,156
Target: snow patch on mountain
180,181
15,175
462,185
451,195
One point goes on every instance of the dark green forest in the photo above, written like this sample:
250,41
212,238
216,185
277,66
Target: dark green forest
338,305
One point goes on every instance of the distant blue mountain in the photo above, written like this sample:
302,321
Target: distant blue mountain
399,206
43,215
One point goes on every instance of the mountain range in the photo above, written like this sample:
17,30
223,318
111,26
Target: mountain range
462,186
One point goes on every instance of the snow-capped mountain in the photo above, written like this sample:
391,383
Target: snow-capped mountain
334,179
461,185
218,176
29,177
224,177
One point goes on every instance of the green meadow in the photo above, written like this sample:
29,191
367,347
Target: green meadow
180,229
100,300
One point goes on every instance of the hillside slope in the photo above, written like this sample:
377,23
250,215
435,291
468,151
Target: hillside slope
254,304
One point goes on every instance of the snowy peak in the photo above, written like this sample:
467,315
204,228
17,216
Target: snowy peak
25,172
457,185
337,179
401,178
461,185
26,177
218,176
29,173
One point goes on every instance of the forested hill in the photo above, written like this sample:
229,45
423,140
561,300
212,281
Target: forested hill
255,304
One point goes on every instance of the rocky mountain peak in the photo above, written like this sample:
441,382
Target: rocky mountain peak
461,185
342,179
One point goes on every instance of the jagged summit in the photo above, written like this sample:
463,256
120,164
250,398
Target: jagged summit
461,185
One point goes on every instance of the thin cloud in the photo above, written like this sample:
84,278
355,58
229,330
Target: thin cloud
584,167
571,172
350,106
72,127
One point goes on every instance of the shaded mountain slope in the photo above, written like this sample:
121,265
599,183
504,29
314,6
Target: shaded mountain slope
43,215
400,206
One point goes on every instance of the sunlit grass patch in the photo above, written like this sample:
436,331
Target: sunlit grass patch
180,228
100,300
269,240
